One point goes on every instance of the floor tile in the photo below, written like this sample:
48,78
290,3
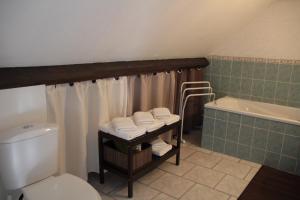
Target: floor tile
205,176
251,174
233,168
172,185
251,164
204,159
151,176
106,197
186,152
201,192
111,182
178,170
197,148
232,185
227,157
232,198
163,196
140,192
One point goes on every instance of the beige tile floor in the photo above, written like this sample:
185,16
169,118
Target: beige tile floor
202,175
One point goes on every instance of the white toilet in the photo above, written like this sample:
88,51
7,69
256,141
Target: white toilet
28,161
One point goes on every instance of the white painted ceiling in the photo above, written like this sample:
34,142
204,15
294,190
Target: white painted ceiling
52,32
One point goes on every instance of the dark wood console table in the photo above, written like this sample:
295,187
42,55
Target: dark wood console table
156,160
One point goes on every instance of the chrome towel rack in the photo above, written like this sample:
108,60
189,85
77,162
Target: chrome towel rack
204,86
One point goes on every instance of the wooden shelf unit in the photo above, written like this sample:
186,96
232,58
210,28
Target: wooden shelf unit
156,160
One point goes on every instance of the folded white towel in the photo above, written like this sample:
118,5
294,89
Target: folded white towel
153,126
159,147
123,124
161,113
127,135
141,118
170,120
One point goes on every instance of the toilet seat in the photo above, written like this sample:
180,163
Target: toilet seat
61,187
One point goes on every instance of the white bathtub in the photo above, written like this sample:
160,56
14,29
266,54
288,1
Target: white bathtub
269,111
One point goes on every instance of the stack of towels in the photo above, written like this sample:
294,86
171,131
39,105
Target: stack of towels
164,115
123,127
141,122
146,120
160,147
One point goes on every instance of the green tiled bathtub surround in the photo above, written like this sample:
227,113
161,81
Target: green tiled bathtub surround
261,80
271,143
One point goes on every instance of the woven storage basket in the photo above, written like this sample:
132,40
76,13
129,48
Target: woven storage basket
120,159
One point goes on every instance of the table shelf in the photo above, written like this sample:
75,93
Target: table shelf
156,160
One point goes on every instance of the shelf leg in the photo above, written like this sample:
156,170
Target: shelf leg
101,153
178,146
130,172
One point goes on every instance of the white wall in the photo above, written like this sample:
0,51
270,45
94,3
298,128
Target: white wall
74,31
275,33
22,105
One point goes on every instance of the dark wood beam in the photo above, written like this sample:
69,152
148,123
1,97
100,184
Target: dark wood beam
12,77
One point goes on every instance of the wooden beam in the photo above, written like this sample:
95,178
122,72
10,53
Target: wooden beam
12,77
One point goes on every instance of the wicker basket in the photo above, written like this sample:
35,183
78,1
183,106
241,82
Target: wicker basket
120,159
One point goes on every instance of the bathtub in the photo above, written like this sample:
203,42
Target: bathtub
264,133
267,111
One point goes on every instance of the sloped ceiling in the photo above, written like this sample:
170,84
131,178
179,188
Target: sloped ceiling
53,32
274,33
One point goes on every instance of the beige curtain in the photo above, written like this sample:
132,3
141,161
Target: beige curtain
152,90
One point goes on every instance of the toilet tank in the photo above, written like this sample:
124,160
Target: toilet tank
28,154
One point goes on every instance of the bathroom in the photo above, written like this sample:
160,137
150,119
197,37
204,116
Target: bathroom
72,66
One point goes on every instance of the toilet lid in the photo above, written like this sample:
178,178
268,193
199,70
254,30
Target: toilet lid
62,187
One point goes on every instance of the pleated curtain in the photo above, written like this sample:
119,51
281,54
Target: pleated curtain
148,91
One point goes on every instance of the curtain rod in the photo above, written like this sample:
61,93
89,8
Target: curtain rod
13,77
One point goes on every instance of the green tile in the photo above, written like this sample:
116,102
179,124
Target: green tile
215,82
287,164
236,69
260,138
243,152
206,77
259,99
218,145
296,74
295,104
247,120
234,86
220,129
210,112
291,146
257,88
272,159
234,117
257,155
269,89
292,130
271,72
247,70
246,134
221,115
224,85
246,86
233,132
206,142
294,92
282,90
226,69
277,126
259,71
208,126
275,142
216,66
244,96
261,123
231,148
284,73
